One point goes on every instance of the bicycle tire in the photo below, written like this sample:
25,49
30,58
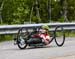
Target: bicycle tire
63,38
19,40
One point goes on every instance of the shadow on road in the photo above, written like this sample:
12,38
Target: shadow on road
42,47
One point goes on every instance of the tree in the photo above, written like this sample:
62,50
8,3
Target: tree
1,8
18,11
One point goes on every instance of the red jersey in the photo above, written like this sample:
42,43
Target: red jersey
44,36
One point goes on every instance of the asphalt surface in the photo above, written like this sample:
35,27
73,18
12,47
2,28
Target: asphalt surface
9,51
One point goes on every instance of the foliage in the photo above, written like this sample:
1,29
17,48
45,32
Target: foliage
18,11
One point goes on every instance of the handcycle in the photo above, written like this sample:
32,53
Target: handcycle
25,34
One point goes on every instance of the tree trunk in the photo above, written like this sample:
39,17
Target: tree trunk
1,8
65,11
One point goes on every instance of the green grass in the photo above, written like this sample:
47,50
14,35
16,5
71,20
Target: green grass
6,37
67,33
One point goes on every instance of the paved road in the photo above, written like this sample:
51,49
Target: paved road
9,51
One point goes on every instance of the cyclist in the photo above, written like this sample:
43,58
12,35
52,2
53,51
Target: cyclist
43,34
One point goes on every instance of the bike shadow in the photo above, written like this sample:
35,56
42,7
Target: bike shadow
41,47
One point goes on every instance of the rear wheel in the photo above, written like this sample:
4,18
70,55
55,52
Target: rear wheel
22,37
59,36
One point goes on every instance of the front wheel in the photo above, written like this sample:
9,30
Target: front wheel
21,43
59,36
21,38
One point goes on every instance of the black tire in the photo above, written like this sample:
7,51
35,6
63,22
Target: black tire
60,30
22,47
21,36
